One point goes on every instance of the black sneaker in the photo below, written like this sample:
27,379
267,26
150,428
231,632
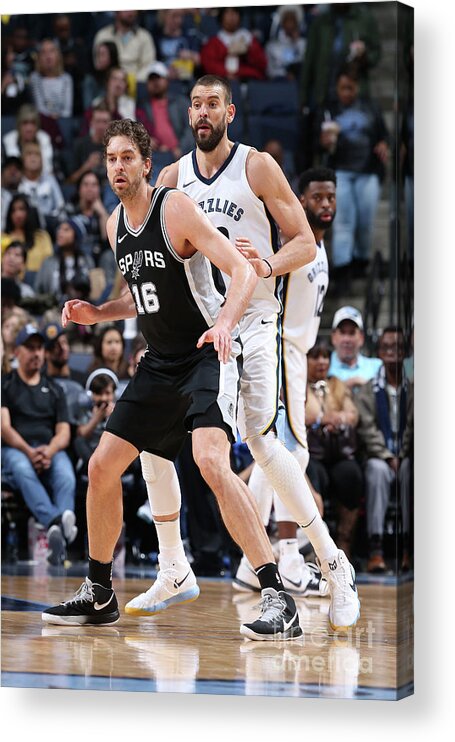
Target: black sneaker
279,619
92,604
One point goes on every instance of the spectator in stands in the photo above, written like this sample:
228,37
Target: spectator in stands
331,418
57,355
24,52
283,158
135,45
286,47
22,224
109,352
347,362
87,152
118,102
91,214
35,434
12,170
234,52
175,48
101,386
385,432
80,337
51,87
105,57
15,91
42,189
13,266
166,114
354,137
66,263
347,32
74,56
28,130
13,320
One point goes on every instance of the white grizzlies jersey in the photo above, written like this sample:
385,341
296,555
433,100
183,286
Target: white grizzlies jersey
303,299
236,211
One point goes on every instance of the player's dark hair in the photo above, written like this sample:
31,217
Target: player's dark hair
135,132
207,81
316,175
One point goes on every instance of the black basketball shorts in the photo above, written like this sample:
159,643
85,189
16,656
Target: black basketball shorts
169,397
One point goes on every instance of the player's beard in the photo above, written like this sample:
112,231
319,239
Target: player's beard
208,144
317,223
129,193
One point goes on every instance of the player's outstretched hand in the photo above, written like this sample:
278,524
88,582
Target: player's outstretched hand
243,245
79,311
221,339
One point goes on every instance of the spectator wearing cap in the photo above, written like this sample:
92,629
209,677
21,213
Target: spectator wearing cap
135,45
28,130
13,266
66,263
165,114
57,355
35,434
347,362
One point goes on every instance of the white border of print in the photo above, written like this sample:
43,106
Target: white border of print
42,715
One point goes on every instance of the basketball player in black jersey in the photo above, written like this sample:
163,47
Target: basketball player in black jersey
186,381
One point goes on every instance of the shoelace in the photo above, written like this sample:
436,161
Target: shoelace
271,608
85,592
343,591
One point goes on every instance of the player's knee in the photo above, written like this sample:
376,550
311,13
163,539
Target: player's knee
212,465
263,448
100,469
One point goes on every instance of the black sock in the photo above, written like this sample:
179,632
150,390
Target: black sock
100,572
269,576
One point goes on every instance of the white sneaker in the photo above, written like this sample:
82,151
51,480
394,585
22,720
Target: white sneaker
175,584
69,526
344,608
301,578
245,577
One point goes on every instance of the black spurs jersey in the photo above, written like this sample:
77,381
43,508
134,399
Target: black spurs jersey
176,299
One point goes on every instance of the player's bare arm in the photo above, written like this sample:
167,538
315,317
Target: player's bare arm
85,313
168,176
189,230
269,183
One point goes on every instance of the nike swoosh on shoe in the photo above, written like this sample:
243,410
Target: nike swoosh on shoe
99,607
178,584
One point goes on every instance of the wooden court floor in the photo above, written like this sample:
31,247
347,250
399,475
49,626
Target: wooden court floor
197,648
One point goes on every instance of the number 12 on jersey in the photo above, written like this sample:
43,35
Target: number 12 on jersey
145,298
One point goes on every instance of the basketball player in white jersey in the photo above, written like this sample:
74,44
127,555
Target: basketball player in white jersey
246,195
303,299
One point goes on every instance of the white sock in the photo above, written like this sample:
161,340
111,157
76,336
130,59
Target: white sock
169,540
289,548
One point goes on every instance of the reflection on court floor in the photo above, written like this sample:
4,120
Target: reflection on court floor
197,648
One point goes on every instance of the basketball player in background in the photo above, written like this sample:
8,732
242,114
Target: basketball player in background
186,381
303,300
246,196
